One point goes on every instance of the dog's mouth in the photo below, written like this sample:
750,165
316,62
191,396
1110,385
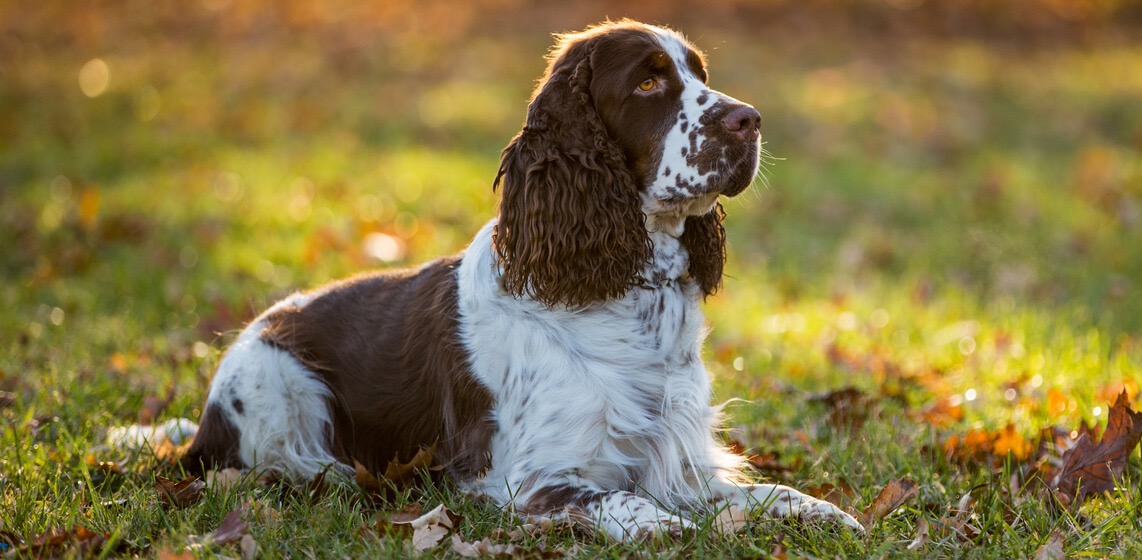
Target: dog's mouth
739,175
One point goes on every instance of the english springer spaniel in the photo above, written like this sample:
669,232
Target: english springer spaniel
556,362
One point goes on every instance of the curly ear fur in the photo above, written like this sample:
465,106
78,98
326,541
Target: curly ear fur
571,229
705,240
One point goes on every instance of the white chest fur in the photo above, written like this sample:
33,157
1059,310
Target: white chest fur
609,396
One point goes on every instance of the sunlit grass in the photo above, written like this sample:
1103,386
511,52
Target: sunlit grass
942,219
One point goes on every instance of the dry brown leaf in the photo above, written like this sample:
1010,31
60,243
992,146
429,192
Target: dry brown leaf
482,547
943,412
396,477
768,462
840,495
431,528
1052,549
77,542
223,480
1010,442
403,473
249,547
398,523
232,528
921,535
183,493
263,514
1090,467
169,452
407,513
111,467
892,496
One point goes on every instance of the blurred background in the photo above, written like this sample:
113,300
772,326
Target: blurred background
957,201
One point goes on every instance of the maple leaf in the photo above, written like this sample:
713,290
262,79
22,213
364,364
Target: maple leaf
183,493
891,497
402,473
397,475
1090,467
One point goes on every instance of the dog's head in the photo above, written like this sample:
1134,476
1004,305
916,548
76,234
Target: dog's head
622,133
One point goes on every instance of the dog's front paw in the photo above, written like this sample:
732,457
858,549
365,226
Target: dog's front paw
625,516
783,501
816,510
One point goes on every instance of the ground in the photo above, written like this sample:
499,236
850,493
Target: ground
942,262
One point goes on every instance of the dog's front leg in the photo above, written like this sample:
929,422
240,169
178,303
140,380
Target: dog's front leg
778,501
620,514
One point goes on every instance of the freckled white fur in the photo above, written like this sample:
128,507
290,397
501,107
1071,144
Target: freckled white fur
612,397
674,176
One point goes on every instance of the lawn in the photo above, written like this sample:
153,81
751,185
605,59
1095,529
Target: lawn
940,278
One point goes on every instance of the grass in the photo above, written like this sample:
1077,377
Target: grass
954,215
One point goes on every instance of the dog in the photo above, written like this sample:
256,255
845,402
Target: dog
555,362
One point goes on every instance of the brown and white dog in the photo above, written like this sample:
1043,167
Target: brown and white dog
556,361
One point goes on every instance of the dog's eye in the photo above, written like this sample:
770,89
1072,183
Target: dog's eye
647,84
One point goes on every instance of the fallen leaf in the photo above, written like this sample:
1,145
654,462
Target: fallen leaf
370,484
183,493
263,514
1058,403
891,497
482,547
768,462
408,513
77,542
943,412
110,467
1052,549
921,535
1010,442
402,473
841,494
232,528
249,547
1090,467
397,523
223,480
431,528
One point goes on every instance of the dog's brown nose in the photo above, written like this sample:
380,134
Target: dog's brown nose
743,121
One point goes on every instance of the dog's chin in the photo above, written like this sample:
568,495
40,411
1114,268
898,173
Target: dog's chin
740,176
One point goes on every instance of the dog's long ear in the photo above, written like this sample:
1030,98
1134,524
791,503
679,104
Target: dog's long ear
571,229
705,240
